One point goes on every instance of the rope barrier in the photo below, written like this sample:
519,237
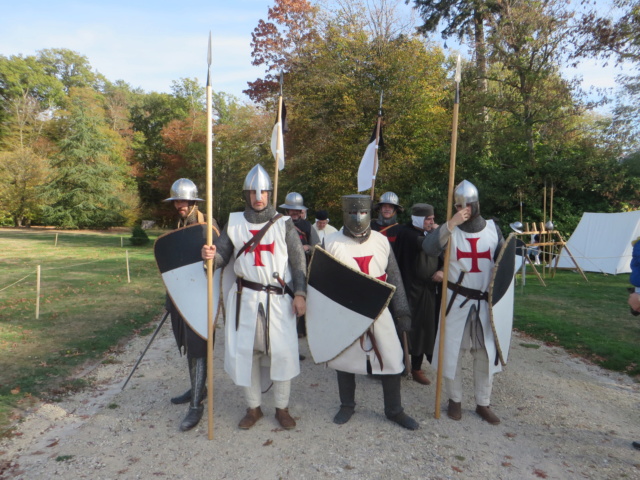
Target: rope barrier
1,289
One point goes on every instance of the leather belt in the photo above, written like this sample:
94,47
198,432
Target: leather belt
469,293
262,288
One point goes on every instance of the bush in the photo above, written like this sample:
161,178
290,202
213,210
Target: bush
138,236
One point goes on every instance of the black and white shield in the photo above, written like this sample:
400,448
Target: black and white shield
185,278
501,296
342,303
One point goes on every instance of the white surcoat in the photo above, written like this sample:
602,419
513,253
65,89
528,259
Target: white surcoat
473,254
371,258
259,266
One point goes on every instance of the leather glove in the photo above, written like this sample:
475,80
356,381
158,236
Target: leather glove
404,323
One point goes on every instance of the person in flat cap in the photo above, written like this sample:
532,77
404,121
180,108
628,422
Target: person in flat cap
422,278
322,226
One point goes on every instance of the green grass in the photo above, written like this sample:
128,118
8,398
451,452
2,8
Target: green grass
87,308
590,319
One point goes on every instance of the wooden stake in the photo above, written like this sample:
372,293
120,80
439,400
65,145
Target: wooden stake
55,244
128,275
38,290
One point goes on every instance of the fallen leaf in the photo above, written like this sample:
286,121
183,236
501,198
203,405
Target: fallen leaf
53,444
539,473
510,435
456,469
506,464
267,443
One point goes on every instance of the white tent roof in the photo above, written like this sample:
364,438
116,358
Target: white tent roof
602,242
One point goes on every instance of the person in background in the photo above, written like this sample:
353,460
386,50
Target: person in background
322,226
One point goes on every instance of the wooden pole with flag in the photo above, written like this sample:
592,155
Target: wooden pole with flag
375,155
452,174
210,264
279,143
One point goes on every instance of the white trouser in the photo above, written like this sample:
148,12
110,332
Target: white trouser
482,379
253,394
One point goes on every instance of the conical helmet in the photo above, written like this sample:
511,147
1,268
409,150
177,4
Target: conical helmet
465,192
257,179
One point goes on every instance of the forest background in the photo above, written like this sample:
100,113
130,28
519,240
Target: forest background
78,150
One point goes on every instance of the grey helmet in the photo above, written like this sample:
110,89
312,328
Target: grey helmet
465,192
293,201
356,216
184,189
257,179
517,227
392,199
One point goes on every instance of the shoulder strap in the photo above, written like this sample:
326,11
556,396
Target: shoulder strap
255,240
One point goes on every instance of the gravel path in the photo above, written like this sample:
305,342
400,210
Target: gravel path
561,419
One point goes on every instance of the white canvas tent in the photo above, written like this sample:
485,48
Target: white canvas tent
602,242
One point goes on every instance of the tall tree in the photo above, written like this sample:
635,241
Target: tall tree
90,181
23,174
276,43
526,45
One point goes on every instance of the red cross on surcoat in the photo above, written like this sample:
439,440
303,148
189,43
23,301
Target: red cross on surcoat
261,247
474,255
363,264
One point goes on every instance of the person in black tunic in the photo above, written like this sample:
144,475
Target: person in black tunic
387,221
184,196
422,278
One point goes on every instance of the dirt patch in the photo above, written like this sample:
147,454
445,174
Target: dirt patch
561,419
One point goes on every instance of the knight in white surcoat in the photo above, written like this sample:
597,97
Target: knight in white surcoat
260,323
474,246
378,351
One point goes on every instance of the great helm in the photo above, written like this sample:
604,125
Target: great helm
465,192
392,199
257,179
184,189
293,201
356,215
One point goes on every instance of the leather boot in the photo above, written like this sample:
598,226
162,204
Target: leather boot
487,415
250,418
285,419
420,377
393,403
182,399
454,411
347,392
198,371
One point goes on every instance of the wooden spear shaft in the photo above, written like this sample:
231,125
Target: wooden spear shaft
278,148
375,153
445,276
210,265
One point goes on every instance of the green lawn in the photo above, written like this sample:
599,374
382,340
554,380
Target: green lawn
591,319
86,308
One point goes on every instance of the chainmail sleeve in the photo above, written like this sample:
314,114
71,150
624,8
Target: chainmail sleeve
297,259
399,304
434,243
224,249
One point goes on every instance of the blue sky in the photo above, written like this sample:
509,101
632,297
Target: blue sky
150,44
